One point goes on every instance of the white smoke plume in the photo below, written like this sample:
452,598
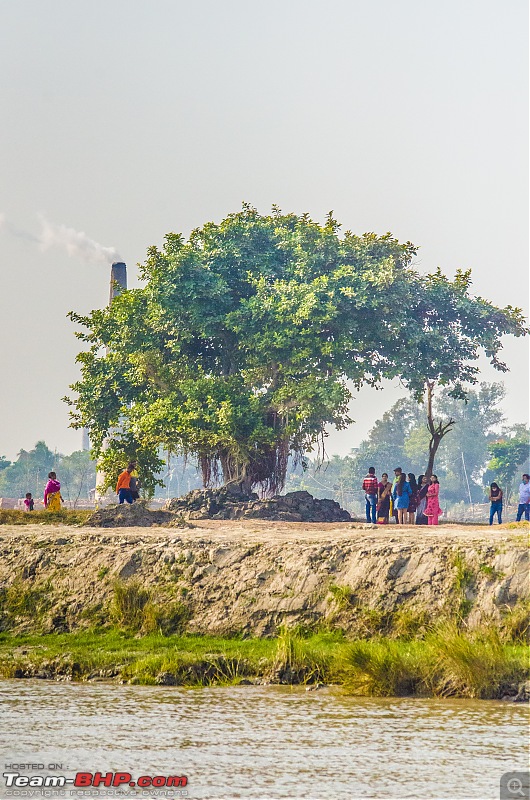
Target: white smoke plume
76,243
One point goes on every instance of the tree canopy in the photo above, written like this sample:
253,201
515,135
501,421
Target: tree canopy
239,347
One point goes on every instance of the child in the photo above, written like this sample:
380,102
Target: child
52,493
28,502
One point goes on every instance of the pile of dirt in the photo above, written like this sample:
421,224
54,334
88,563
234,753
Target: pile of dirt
134,515
229,502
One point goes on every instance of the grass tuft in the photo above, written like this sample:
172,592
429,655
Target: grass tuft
383,668
299,659
129,602
515,624
471,664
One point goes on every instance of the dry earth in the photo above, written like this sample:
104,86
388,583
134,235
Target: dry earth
252,576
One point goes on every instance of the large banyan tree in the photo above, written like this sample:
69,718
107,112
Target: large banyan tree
246,340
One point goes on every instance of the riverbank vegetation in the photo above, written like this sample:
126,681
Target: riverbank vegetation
447,661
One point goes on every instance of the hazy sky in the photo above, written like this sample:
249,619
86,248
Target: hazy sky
128,120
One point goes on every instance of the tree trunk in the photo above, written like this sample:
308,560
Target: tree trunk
437,430
434,444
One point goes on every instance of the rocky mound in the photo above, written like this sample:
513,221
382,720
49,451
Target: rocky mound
229,502
129,516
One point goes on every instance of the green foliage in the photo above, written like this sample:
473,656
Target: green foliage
299,660
464,581
515,625
29,473
508,455
473,664
342,595
77,473
239,347
384,668
449,662
165,618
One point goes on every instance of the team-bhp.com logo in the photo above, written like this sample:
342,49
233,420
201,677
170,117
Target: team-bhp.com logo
94,780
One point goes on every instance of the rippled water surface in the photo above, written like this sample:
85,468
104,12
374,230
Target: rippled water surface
266,742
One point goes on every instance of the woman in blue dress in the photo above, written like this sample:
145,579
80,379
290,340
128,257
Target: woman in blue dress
402,495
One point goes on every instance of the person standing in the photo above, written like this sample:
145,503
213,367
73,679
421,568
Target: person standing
495,497
384,494
401,494
29,503
370,485
123,487
411,510
135,482
397,473
524,498
423,487
52,493
432,508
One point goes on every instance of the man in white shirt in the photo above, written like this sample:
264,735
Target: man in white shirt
524,499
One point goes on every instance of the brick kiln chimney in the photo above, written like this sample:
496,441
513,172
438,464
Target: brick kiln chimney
118,282
118,279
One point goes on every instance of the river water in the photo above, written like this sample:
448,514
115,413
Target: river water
262,742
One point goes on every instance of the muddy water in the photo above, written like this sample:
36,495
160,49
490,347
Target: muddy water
263,742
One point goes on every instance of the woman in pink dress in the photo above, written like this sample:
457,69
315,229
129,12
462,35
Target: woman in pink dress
432,509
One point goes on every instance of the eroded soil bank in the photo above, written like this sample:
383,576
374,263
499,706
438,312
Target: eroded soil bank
251,577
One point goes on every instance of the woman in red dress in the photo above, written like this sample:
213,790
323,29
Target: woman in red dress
432,509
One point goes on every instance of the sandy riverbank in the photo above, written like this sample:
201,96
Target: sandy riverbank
253,576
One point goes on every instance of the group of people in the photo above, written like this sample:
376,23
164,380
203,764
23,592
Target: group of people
409,501
496,500
127,490
52,495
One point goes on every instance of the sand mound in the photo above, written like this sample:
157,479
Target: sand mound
129,516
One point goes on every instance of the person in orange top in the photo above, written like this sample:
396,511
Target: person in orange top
123,487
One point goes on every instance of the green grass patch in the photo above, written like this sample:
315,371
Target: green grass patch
65,516
447,662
